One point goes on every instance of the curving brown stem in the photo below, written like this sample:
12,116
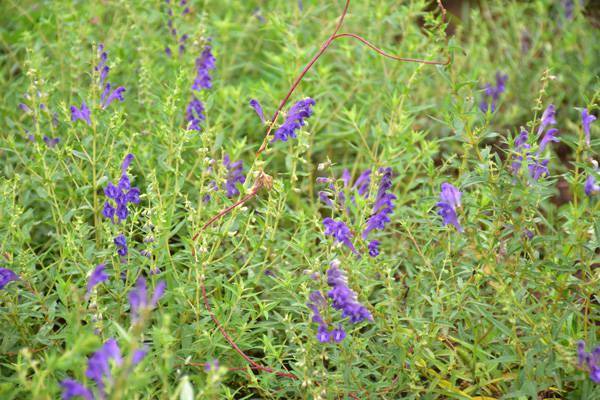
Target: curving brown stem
253,363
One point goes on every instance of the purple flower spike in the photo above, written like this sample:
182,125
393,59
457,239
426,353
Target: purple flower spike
82,113
521,145
138,297
449,201
204,64
235,175
6,276
344,299
586,122
340,231
71,388
194,114
550,136
97,276
384,204
591,187
121,244
548,118
258,108
294,120
116,94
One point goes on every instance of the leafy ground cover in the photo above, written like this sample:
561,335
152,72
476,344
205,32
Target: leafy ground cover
191,208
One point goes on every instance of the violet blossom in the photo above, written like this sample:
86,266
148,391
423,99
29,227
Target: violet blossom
7,276
294,120
586,122
450,199
492,93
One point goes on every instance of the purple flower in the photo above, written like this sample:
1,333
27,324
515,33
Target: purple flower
492,93
548,118
194,114
204,64
338,334
6,276
340,231
24,107
168,51
122,194
82,113
235,174
51,142
548,137
323,334
384,203
98,364
121,244
257,107
374,248
449,201
108,96
569,7
138,297
71,388
450,195
591,187
97,276
317,303
362,183
586,122
589,361
520,146
294,120
343,298
211,365
537,167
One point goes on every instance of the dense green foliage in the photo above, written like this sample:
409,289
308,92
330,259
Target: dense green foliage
487,313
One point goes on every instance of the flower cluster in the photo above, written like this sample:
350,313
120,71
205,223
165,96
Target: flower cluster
294,120
180,40
384,203
35,112
235,175
537,166
6,276
589,361
194,113
340,231
82,113
492,93
108,95
382,208
343,299
448,204
122,194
